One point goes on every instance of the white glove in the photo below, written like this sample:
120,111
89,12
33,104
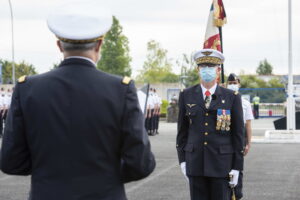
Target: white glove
235,177
183,169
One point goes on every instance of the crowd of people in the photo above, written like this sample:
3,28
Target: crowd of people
5,100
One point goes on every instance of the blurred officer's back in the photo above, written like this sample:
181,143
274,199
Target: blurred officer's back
78,131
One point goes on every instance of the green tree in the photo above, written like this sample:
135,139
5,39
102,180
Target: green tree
275,83
157,67
115,57
20,70
264,68
251,81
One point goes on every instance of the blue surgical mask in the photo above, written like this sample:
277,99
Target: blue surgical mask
208,74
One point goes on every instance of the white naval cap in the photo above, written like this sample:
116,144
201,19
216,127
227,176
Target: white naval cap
80,23
209,56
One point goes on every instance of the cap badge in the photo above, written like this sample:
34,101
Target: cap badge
207,53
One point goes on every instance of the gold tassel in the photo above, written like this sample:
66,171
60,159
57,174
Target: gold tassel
232,188
233,194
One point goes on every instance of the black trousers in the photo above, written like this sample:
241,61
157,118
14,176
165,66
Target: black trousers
239,187
209,188
149,121
256,111
1,122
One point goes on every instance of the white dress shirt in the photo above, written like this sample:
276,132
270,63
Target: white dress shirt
247,110
150,101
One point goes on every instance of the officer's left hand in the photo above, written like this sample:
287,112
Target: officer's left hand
235,177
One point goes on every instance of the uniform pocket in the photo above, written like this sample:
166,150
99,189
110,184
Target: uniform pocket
226,149
189,148
191,112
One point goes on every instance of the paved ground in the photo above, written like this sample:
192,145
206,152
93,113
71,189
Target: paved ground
272,172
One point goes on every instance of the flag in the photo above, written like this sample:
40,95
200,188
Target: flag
216,19
142,94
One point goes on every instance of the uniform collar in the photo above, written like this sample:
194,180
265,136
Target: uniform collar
212,90
77,61
82,57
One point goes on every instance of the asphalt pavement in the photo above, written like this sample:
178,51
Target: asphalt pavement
272,171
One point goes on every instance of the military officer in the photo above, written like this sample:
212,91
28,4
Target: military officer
256,101
233,83
2,108
157,111
210,132
7,101
79,132
150,113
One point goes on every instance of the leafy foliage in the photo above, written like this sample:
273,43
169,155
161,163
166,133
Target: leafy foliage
164,107
157,67
115,57
20,70
264,68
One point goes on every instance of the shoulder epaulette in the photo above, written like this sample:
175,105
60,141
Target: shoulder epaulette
22,79
126,80
236,92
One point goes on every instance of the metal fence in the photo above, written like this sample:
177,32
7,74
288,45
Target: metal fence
272,110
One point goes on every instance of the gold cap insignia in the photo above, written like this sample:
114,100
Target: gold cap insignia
208,59
126,80
22,79
236,92
207,53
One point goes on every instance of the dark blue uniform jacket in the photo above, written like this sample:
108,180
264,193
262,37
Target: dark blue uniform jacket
78,132
206,150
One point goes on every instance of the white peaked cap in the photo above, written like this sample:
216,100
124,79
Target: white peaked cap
81,22
209,56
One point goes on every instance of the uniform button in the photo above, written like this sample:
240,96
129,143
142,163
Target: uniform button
206,133
206,124
206,114
205,143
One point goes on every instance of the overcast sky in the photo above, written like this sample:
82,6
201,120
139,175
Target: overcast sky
256,29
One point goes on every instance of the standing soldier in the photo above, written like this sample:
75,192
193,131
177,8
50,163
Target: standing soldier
210,132
149,113
1,110
256,101
79,132
7,101
157,111
233,83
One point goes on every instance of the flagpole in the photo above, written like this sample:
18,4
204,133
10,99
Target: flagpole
222,66
12,43
290,101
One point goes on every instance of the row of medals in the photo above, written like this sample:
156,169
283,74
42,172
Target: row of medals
223,123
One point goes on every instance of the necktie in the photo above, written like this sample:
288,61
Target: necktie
207,99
